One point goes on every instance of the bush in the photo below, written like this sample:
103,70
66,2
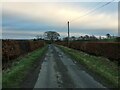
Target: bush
109,50
12,49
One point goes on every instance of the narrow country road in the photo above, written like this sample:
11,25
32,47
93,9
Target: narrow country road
59,71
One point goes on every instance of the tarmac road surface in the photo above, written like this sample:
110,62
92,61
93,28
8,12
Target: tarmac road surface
60,71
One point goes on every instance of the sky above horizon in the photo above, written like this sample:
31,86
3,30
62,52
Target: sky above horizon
25,20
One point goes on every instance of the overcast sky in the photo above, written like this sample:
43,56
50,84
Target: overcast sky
25,20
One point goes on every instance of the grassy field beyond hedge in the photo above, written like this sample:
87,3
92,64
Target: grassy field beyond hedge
15,75
101,66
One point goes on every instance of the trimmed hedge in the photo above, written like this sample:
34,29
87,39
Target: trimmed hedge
12,49
109,50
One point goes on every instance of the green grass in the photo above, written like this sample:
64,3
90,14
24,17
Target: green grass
108,40
15,74
99,65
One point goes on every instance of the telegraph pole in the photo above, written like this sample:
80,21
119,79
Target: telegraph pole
68,35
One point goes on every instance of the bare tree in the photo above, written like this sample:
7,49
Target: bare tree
73,38
39,37
51,35
108,36
65,39
86,37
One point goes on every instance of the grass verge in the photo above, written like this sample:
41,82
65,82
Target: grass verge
99,65
12,77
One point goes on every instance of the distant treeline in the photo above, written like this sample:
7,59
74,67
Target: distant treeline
92,38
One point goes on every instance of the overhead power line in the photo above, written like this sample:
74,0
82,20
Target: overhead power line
98,3
91,11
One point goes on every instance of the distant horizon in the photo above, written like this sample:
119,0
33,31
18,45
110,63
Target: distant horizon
60,37
27,20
